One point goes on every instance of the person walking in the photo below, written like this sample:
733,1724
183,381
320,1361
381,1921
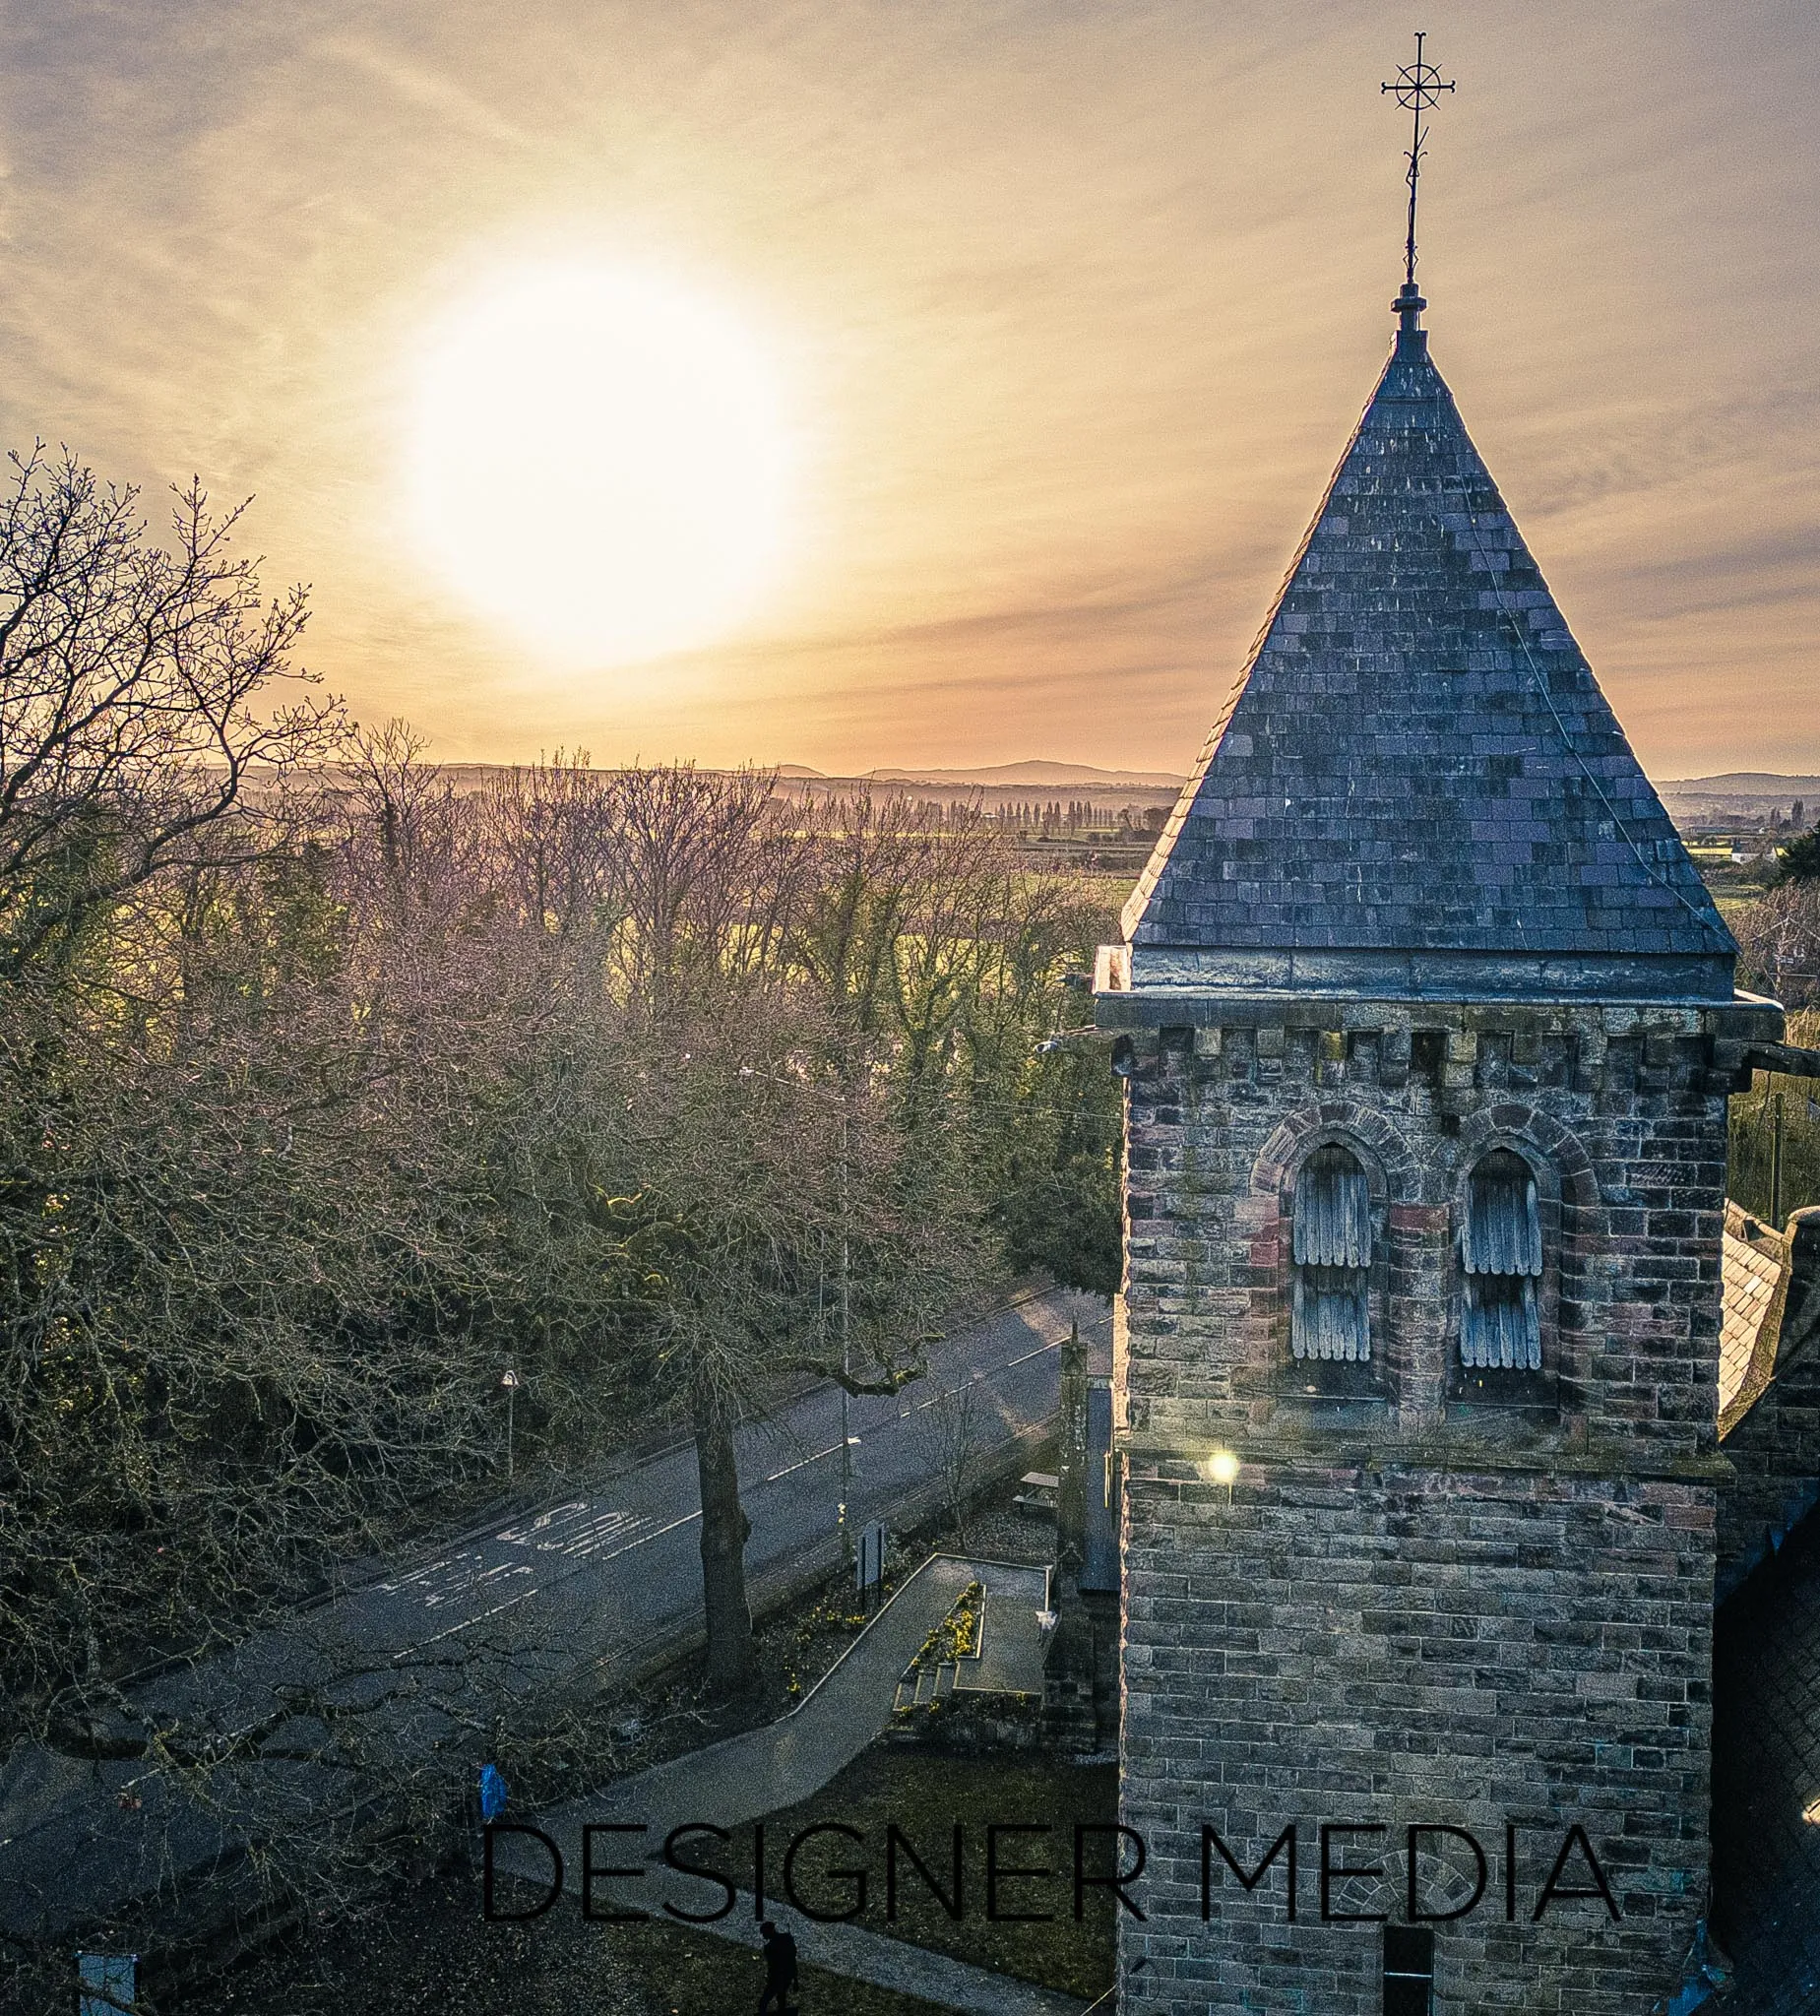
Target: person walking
780,1969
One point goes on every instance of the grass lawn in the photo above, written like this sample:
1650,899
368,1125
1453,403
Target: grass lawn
925,1794
431,1953
692,1974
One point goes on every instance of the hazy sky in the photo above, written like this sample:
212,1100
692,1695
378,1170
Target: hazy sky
1073,306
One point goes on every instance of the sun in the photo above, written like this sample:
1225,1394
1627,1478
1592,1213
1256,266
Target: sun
598,462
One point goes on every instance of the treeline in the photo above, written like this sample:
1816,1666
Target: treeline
328,1093
1076,815
1044,818
1778,933
1775,1159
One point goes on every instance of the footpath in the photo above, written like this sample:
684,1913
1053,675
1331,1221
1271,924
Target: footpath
605,1581
761,1771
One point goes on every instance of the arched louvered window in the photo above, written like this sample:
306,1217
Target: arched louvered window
1331,1251
1501,1253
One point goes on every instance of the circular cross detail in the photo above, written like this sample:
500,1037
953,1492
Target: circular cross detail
1417,86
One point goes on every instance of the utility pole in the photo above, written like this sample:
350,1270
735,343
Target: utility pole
1776,1159
846,1362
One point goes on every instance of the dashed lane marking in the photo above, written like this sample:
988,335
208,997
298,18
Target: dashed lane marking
537,1588
820,1456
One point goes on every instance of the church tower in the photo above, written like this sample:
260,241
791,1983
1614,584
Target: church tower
1428,1023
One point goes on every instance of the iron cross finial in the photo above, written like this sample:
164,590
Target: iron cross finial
1417,86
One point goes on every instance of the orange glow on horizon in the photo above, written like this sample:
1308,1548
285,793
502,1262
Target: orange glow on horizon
1024,347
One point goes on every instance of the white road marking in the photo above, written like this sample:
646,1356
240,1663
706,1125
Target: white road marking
522,1535
1055,1344
656,1533
537,1588
1010,1365
580,1530
833,1450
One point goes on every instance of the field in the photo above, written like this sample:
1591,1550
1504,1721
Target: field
1775,1164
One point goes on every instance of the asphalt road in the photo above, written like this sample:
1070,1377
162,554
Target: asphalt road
606,1576
606,1580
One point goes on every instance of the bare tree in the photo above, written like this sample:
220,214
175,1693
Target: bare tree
550,833
1778,939
757,1170
763,1137
370,1087
136,697
951,1431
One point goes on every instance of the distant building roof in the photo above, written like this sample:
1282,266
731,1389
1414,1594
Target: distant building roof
1766,1702
1770,1316
1753,1267
1416,782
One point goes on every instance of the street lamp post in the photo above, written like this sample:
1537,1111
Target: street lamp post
510,1380
1776,1159
847,1437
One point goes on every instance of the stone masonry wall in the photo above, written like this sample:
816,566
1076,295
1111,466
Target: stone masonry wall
1621,1112
1431,1599
1398,1646
1775,1452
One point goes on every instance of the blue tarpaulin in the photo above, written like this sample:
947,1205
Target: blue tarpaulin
109,1983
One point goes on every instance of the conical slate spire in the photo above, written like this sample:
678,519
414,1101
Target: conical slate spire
1416,785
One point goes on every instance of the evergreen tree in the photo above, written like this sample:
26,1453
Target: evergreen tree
1799,861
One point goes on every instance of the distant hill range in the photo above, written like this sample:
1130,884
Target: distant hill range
1746,799
1045,776
1744,783
1747,796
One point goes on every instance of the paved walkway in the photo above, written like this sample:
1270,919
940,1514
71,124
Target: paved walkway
859,1955
1012,1646
746,1777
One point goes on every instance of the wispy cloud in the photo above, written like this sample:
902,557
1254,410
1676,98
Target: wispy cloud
426,90
1077,306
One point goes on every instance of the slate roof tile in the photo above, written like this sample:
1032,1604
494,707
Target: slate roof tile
1397,705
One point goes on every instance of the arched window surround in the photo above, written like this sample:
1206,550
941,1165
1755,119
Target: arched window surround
1469,1384
1332,1239
1374,1377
